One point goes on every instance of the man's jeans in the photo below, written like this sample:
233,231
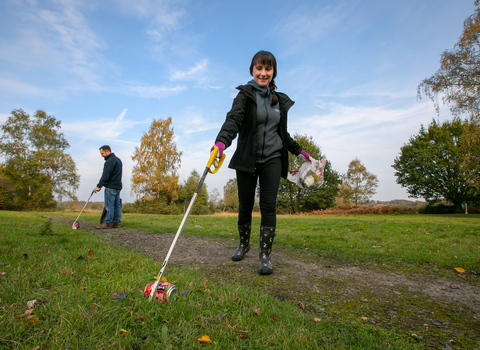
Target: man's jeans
113,206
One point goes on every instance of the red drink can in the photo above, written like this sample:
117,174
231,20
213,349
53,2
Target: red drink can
165,291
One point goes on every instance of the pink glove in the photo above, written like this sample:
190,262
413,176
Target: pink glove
306,155
221,147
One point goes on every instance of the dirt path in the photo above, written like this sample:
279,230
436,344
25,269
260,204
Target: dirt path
438,310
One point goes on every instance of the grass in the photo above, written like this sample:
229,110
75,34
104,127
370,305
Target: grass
437,241
75,276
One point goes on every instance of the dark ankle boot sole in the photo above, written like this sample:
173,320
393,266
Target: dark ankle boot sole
265,271
238,257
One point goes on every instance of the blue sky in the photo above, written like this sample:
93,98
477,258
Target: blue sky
107,68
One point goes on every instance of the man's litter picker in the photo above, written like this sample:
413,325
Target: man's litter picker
75,224
216,166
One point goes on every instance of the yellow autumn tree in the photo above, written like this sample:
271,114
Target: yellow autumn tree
154,174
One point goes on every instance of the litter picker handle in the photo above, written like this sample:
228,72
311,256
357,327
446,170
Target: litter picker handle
88,200
217,165
213,161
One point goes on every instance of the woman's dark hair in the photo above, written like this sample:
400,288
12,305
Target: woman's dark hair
266,58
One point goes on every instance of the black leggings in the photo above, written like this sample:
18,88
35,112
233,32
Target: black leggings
269,175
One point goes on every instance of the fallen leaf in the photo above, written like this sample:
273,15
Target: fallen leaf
274,317
204,339
64,271
459,270
82,287
364,318
31,320
124,332
90,253
28,312
301,305
30,303
317,319
257,311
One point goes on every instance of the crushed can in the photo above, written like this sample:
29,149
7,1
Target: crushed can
166,292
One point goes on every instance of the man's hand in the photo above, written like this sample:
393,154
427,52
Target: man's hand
96,189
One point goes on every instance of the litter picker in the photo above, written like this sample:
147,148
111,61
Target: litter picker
75,224
216,166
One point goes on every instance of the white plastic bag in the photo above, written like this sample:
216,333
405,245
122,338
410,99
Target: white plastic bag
310,174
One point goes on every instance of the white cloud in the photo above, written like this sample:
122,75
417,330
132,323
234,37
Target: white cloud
58,40
164,14
306,24
16,86
152,91
101,129
195,73
373,134
162,19
196,122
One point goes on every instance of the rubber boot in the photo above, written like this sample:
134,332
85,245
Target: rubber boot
266,241
244,246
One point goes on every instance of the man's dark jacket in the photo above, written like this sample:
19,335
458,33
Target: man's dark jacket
112,173
242,119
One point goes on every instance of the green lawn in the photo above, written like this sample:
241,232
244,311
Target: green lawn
75,275
443,241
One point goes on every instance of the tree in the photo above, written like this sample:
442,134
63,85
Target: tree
295,199
154,176
187,191
438,164
7,191
214,199
36,162
230,195
358,184
458,79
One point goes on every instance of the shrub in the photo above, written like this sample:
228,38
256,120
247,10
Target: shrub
364,209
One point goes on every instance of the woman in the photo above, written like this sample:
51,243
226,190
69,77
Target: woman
259,117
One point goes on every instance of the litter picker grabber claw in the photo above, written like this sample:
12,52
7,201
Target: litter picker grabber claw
216,166
75,224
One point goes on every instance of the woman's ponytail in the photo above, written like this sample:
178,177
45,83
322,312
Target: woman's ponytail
272,87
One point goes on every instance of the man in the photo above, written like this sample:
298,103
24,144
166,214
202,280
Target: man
112,181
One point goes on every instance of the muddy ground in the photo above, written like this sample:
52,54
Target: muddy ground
438,312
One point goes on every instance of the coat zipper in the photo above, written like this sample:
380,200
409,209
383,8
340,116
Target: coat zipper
264,134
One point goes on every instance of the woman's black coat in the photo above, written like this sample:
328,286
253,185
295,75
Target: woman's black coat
242,120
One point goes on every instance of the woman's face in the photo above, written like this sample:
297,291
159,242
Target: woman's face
262,74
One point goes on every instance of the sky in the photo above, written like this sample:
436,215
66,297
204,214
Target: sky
107,68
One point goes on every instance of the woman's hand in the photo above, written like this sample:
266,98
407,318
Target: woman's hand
221,147
306,155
